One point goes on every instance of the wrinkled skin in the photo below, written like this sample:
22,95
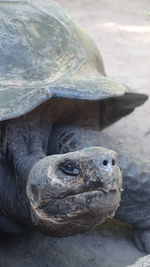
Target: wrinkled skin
76,130
61,194
134,208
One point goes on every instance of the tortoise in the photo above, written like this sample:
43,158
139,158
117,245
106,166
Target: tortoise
59,173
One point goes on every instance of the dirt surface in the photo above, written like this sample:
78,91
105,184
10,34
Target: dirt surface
110,245
121,30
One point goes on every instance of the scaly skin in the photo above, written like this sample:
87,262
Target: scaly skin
59,195
135,204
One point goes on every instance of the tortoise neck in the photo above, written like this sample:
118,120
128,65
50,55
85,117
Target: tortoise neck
26,141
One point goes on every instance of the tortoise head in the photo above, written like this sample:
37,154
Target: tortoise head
73,192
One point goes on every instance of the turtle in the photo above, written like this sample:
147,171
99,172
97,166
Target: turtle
59,173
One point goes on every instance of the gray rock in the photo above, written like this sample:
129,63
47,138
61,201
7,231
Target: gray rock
142,262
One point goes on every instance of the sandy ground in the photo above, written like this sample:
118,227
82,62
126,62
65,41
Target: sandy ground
121,29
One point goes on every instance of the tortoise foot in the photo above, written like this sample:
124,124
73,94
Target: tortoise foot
9,226
142,240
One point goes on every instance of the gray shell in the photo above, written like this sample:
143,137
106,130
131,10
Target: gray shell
44,54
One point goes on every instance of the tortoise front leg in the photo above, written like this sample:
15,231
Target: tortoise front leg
135,204
9,226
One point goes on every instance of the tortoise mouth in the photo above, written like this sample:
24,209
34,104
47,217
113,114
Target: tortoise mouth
76,213
71,205
91,190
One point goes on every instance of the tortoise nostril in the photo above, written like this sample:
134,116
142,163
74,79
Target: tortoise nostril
105,162
113,162
109,161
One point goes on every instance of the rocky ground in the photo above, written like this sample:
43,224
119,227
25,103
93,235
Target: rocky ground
142,262
121,29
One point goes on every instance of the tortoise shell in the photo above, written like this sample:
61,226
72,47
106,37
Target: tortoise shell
44,55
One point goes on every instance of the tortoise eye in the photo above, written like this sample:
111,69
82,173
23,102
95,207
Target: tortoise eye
70,168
